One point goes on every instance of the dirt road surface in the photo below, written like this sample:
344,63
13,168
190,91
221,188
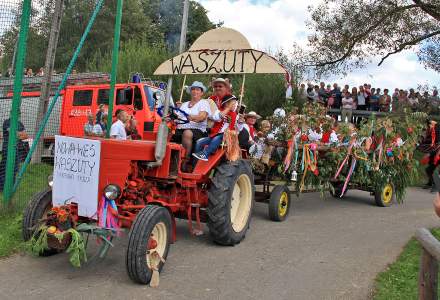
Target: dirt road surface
326,249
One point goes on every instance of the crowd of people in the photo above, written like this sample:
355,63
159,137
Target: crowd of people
366,97
29,72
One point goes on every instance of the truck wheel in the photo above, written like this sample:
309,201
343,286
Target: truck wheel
148,243
279,203
384,196
231,199
36,210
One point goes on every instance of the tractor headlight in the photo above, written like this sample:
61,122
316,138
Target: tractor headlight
112,192
50,180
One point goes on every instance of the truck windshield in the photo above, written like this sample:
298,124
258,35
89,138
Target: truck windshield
156,97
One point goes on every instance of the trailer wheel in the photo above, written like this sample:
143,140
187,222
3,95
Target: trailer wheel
148,243
279,203
36,210
231,199
384,196
336,192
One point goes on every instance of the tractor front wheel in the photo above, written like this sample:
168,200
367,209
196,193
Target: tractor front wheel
36,210
148,243
231,199
279,203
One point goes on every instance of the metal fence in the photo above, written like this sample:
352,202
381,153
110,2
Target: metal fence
32,83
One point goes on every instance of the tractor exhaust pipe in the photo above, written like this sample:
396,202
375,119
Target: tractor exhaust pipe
162,133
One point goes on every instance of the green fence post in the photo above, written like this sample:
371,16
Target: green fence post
115,58
57,94
16,101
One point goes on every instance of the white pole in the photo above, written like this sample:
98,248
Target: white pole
184,29
242,90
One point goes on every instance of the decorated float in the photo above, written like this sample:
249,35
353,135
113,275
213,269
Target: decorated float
321,155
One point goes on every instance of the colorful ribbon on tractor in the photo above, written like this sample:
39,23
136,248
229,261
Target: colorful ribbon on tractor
108,214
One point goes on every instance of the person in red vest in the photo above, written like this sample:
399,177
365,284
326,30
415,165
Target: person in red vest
247,134
225,118
222,88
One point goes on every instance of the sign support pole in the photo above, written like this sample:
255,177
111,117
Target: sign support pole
242,90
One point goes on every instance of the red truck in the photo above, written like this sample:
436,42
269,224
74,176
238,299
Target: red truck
138,99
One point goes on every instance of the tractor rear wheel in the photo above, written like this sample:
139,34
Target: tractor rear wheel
279,203
231,200
384,196
37,209
148,243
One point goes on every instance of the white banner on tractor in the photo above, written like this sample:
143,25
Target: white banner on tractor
76,174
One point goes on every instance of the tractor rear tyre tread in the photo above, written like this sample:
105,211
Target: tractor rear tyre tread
220,199
275,214
143,225
34,213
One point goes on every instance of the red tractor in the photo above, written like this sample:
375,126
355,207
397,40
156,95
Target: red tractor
139,185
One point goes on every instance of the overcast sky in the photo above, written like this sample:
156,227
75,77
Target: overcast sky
277,24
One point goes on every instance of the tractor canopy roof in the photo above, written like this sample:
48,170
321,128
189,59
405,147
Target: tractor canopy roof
221,51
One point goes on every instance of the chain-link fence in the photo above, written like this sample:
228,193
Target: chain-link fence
58,64
41,44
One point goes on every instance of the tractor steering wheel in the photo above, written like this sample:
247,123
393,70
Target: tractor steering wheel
177,115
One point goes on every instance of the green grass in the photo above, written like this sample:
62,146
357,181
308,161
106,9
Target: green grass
400,280
10,234
34,180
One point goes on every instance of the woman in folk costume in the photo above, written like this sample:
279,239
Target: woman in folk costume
247,134
225,119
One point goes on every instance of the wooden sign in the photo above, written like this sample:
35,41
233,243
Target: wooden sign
220,62
220,51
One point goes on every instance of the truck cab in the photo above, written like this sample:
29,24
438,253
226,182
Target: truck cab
137,99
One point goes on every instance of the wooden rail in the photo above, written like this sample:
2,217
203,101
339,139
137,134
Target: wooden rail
428,274
359,113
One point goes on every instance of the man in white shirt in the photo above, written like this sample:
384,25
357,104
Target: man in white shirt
117,131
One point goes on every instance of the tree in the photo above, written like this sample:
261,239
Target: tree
167,15
348,33
136,26
146,22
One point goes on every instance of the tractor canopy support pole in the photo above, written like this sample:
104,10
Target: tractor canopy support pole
11,155
115,59
242,90
183,87
58,92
